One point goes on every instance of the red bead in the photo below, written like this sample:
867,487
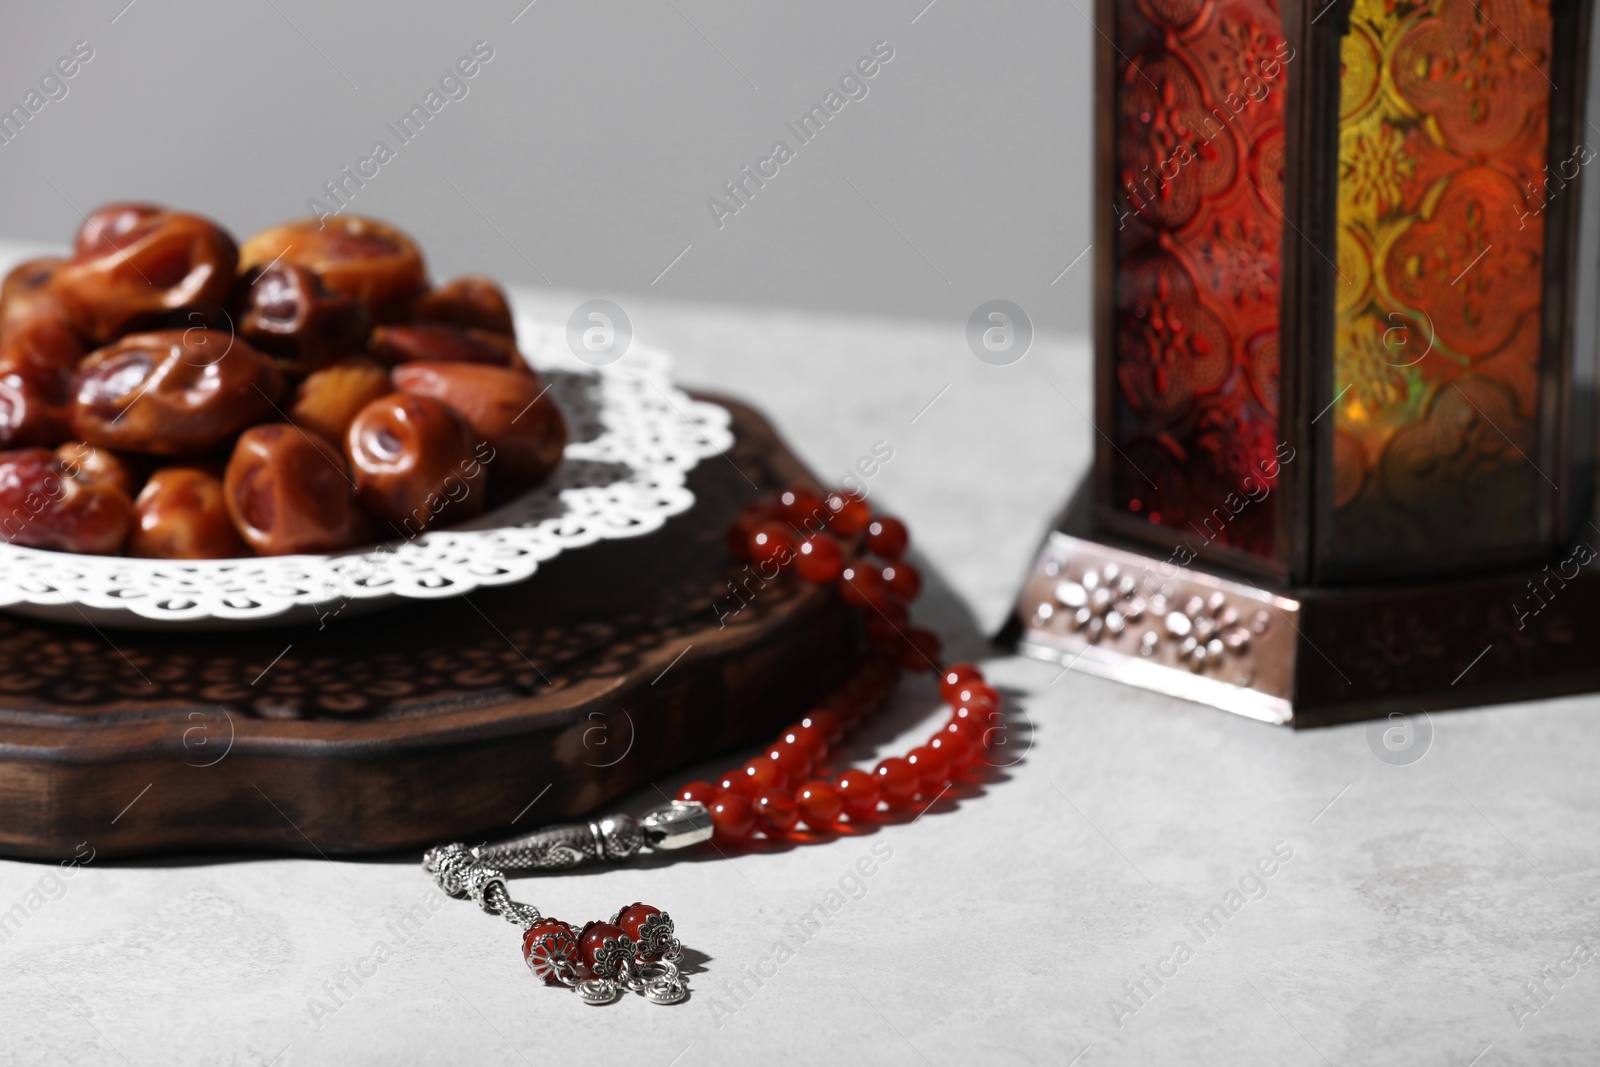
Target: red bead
898,781
826,723
648,928
632,918
761,774
745,525
731,782
966,713
778,810
859,792
977,695
820,804
982,717
954,677
771,543
957,748
819,559
919,649
932,767
733,818
802,508
550,948
863,587
703,792
975,731
848,515
793,761
850,706
594,952
858,695
887,537
903,580
810,740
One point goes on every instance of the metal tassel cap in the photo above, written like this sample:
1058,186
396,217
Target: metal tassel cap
676,824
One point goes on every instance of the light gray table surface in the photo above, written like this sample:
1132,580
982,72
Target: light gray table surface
1013,923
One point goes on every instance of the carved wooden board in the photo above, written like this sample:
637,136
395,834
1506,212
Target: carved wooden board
611,666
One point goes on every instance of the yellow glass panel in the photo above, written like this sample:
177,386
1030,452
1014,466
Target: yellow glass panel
1442,149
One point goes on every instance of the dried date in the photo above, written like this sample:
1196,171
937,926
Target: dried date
289,314
373,263
442,344
172,392
43,506
414,463
288,491
182,513
507,409
328,399
471,302
166,262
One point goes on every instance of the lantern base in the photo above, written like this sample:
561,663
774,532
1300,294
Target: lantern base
1307,656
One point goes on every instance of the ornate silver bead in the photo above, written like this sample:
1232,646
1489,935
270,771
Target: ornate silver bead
477,883
448,865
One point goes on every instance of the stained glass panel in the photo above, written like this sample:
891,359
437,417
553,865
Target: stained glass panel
1199,174
1442,148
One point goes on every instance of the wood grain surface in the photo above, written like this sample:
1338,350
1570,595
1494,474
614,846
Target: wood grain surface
611,666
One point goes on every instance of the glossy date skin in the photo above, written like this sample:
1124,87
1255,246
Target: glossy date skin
28,415
289,314
439,343
371,262
27,295
47,347
508,409
43,506
471,302
108,227
182,513
161,263
414,463
36,367
327,400
172,392
99,466
288,491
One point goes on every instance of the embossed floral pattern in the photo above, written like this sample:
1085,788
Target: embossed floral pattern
1478,68
1241,260
1443,131
1243,49
1199,163
1172,347
1369,362
1470,263
1374,173
1168,164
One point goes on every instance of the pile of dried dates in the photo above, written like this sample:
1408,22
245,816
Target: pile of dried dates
169,393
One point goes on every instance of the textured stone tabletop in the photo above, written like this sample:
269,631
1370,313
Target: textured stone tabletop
1145,881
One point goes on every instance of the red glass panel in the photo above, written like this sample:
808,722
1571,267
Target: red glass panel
1442,148
1199,157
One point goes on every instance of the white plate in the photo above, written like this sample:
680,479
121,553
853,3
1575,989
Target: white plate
634,438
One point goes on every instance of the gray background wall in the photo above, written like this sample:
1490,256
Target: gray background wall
586,149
